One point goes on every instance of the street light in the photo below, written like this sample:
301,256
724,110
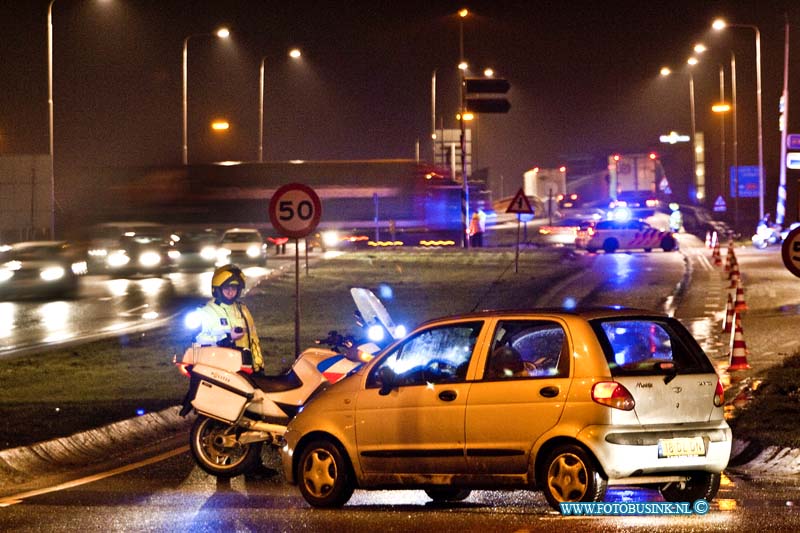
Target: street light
50,112
294,53
719,25
222,33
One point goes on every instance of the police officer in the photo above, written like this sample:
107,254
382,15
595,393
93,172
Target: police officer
226,321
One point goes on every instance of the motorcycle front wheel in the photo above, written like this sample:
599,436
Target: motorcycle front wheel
215,450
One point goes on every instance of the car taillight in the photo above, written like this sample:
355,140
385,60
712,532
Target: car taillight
612,394
719,395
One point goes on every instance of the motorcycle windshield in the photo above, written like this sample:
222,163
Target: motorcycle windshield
372,310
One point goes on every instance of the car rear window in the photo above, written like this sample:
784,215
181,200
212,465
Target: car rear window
641,346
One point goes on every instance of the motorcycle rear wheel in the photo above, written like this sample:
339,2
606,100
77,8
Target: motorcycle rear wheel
215,458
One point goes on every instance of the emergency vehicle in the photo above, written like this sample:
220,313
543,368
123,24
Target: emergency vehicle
613,235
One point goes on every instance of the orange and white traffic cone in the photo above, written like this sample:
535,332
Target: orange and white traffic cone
739,304
730,259
727,324
708,240
734,275
715,255
738,355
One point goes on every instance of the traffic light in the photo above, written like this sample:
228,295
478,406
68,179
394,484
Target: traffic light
482,95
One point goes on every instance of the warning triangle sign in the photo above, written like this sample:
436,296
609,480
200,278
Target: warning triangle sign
520,204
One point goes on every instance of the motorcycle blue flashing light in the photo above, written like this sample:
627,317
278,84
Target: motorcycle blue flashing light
399,331
193,320
375,333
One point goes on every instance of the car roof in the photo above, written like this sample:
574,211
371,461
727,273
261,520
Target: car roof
586,313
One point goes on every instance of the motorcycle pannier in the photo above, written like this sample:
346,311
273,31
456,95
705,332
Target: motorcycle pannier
220,402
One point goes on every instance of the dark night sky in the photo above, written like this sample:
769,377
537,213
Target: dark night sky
583,75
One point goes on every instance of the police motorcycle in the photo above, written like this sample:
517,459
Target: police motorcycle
767,234
238,412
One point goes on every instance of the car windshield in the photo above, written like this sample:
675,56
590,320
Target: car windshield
635,346
241,236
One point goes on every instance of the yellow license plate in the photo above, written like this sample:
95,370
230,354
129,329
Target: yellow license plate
682,447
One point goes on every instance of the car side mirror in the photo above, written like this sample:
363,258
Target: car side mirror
388,380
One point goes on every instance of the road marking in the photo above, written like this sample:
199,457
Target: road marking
18,498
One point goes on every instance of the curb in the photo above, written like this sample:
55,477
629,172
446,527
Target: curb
27,463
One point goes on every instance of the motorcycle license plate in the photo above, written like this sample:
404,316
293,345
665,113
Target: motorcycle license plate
681,447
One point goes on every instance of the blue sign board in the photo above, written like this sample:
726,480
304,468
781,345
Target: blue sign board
748,182
793,141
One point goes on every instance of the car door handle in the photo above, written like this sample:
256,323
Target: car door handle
448,395
549,392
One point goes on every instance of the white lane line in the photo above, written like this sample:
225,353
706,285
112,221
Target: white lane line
18,498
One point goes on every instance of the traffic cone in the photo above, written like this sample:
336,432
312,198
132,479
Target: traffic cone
708,240
730,258
734,275
727,324
739,305
715,255
738,355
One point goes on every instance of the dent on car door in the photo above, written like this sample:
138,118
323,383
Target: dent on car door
521,395
410,415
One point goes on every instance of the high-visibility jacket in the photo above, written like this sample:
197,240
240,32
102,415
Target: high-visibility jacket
219,320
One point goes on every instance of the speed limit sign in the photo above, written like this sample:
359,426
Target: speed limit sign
790,252
294,210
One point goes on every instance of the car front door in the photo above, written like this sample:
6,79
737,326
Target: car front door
410,416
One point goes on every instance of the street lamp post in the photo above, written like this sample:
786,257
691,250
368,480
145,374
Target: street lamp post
294,53
720,24
50,118
462,66
222,33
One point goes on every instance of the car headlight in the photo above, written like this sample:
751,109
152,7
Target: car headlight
52,273
174,254
253,251
6,274
118,259
80,268
149,259
208,253
330,238
98,252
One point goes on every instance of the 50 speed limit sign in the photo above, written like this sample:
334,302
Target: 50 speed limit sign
295,210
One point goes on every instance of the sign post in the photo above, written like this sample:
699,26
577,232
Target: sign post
519,205
294,211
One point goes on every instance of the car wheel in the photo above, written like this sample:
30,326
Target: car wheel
591,250
571,475
448,494
325,476
700,485
668,244
610,246
648,250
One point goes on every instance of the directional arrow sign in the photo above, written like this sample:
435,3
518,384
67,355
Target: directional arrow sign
487,85
488,105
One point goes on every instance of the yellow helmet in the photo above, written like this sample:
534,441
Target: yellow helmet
227,275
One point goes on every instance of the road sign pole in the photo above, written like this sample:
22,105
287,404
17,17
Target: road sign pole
296,298
516,256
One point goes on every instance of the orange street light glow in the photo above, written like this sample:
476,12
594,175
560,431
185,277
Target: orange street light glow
721,108
220,125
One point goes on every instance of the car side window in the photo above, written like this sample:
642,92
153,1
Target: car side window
527,349
437,355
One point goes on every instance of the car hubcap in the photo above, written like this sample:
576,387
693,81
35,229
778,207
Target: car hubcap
567,478
319,473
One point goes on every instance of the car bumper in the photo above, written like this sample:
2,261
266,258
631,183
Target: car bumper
627,452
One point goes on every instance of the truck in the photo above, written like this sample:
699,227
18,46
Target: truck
635,176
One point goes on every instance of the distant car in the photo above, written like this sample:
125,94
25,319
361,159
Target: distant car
562,232
242,245
567,402
613,235
40,269
108,237
194,249
144,251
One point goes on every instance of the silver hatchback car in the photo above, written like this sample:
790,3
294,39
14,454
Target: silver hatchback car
567,402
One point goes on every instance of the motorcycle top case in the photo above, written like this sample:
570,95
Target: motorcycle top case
219,394
226,359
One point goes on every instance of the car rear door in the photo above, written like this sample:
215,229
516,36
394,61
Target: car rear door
521,395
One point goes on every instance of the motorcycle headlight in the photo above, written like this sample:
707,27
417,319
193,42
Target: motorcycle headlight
149,259
399,331
253,251
375,333
52,273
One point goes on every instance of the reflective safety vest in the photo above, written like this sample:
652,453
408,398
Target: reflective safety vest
220,319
